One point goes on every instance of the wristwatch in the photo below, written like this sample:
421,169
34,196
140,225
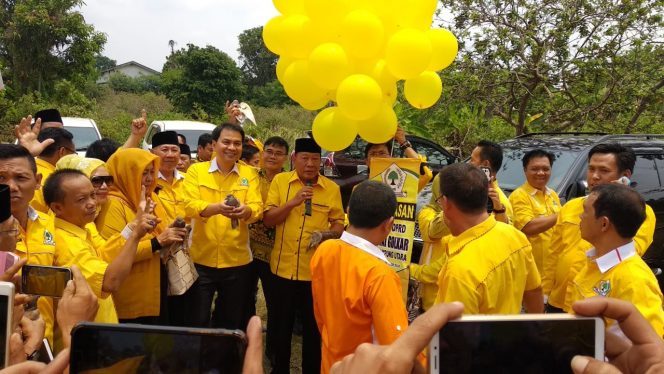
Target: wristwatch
405,145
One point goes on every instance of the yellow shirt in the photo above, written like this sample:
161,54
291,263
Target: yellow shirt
45,169
357,297
290,258
214,243
138,296
509,212
262,237
37,244
567,252
620,274
75,248
488,268
529,203
171,196
432,257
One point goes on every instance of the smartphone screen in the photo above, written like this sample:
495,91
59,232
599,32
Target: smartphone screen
44,280
515,346
156,349
4,304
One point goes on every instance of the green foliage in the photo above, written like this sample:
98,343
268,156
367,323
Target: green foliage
201,78
44,42
257,63
146,83
103,63
271,94
290,122
568,60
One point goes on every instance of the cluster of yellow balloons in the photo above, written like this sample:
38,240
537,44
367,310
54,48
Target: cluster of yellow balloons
354,52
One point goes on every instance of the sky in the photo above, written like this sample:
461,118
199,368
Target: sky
139,30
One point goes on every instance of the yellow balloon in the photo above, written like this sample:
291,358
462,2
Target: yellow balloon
418,14
390,94
282,65
424,90
328,65
298,84
359,97
333,131
273,34
297,41
408,53
314,103
327,9
386,81
288,7
381,128
445,48
362,34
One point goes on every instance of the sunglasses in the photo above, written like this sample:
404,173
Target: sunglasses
99,181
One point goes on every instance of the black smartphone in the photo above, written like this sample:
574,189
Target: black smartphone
525,343
128,348
44,280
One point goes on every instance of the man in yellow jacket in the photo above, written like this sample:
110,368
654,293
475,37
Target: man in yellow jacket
222,198
490,266
62,145
71,196
612,214
607,163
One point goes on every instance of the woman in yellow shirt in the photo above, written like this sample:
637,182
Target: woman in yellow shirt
141,298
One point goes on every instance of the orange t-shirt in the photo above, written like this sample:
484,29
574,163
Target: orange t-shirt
357,297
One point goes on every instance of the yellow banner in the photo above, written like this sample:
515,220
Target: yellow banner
402,175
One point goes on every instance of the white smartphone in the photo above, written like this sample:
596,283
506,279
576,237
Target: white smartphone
6,317
524,343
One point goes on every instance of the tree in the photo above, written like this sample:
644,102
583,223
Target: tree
201,78
46,41
257,63
103,63
171,44
557,65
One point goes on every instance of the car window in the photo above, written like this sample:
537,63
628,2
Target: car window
511,174
645,172
192,137
83,136
151,131
434,156
356,150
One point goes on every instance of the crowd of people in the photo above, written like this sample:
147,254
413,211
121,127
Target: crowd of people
110,216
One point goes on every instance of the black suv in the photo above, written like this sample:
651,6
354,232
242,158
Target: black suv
569,172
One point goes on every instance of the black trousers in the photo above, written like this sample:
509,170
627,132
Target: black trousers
548,308
232,285
261,270
292,296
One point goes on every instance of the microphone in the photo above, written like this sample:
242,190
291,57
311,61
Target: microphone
307,204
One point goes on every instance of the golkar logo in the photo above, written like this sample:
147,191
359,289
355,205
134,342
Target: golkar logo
244,182
394,177
48,238
603,288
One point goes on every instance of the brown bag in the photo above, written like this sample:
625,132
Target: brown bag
180,267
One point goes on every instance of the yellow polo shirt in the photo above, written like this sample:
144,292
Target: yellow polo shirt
45,169
509,212
620,274
290,258
171,196
488,278
357,297
214,243
432,258
567,252
75,248
37,244
529,203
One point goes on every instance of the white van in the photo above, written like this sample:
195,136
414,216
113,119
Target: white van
190,129
85,132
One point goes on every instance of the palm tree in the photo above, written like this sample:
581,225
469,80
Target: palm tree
172,43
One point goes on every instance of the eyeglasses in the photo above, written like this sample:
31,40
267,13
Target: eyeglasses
70,150
99,181
270,152
10,232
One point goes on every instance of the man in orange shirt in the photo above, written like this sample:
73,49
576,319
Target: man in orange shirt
357,295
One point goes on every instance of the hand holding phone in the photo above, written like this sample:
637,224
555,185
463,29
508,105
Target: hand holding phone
44,280
6,318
